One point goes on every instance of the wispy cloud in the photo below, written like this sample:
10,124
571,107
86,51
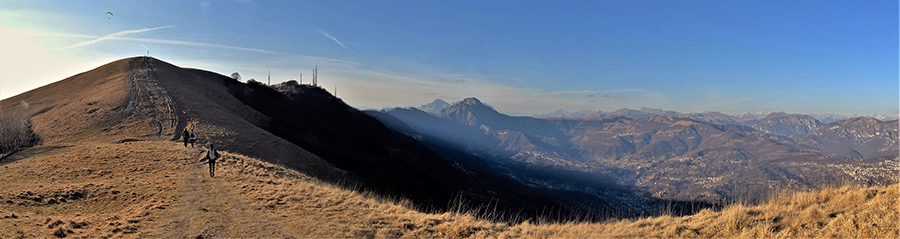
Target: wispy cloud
615,95
113,36
63,35
197,44
205,7
164,41
246,1
325,34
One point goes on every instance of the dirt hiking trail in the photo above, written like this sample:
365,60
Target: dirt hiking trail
208,208
150,101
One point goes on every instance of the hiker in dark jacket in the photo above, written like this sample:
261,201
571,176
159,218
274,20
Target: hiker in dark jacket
184,135
212,155
193,138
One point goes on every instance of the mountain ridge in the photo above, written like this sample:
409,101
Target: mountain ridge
672,157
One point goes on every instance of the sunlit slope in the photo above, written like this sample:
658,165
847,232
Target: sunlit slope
142,98
90,106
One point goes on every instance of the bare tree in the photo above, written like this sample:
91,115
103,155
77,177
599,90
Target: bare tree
236,76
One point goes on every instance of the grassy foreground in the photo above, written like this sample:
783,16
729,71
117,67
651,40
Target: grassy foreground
845,212
159,190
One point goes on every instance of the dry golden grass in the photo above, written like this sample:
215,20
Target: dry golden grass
94,190
845,212
836,212
160,190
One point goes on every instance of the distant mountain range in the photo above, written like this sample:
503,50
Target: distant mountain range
668,155
434,107
744,119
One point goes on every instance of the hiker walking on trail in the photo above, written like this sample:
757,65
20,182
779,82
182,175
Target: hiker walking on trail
212,155
184,135
193,138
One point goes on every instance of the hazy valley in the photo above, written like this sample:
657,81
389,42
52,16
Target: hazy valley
671,157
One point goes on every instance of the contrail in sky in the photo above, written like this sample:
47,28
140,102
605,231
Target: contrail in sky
197,44
325,34
113,36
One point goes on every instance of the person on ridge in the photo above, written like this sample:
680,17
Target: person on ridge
184,135
193,138
212,155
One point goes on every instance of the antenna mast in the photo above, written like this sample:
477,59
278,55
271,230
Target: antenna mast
269,79
315,76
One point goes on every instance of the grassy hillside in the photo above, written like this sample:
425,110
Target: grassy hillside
110,167
159,189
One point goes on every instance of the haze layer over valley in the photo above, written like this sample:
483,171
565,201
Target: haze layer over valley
667,155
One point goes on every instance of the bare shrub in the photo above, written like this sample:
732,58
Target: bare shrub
16,131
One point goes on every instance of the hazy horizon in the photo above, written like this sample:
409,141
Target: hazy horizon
640,108
522,58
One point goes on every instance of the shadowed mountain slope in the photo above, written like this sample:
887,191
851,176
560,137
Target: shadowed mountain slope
355,142
385,160
532,139
419,122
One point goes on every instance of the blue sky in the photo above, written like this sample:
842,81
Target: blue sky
522,57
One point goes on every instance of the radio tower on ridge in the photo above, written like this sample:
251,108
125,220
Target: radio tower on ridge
315,76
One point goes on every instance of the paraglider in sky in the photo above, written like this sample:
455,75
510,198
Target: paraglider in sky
110,15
